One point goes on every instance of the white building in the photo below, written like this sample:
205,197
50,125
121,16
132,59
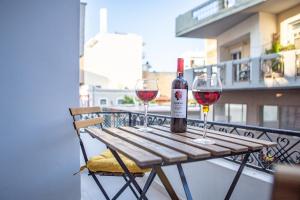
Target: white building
113,60
255,44
193,59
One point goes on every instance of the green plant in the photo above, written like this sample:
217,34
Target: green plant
128,100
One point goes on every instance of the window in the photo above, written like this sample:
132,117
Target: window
229,3
120,101
231,113
220,112
290,117
298,65
283,117
103,102
270,116
237,113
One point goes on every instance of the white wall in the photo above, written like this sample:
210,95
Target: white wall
210,180
116,57
267,27
82,28
285,19
39,55
260,27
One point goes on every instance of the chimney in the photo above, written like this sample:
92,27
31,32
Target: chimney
103,20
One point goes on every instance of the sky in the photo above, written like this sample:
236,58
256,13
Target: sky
154,20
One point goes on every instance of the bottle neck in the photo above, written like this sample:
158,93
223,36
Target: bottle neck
179,74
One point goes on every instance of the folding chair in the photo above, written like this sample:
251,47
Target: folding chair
95,119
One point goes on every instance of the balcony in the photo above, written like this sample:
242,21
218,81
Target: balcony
216,173
214,17
267,71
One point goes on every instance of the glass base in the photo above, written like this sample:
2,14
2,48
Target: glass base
144,129
204,141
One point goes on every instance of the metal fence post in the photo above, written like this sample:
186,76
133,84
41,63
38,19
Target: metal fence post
130,120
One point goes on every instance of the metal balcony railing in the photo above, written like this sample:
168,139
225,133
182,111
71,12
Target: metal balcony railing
272,70
272,66
212,7
287,150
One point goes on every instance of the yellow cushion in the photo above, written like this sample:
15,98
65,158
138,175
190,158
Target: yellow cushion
106,162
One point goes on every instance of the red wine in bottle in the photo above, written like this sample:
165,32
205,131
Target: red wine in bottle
179,97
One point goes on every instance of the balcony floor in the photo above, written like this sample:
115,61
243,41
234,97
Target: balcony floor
90,191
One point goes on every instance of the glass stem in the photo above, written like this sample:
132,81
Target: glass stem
205,110
146,114
205,124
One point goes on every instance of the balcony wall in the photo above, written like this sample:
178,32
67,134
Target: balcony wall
39,78
268,71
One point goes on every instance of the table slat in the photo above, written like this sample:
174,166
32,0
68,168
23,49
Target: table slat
169,155
233,147
142,157
198,134
259,141
191,151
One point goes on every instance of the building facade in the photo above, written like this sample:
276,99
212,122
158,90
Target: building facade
257,55
112,60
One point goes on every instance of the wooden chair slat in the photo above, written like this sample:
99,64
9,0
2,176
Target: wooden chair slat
258,141
192,152
118,174
236,148
169,155
140,156
84,110
88,122
198,134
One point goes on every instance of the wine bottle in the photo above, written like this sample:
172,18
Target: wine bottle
179,97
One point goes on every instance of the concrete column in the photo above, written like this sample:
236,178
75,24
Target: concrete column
289,59
229,77
255,71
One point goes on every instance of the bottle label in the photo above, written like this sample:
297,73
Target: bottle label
178,103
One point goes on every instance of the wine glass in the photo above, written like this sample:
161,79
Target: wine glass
146,90
206,91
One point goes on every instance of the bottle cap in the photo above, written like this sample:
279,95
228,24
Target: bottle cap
180,64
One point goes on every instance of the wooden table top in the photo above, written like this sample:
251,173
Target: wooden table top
161,147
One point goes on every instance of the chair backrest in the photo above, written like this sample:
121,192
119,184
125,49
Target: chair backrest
78,124
84,110
286,183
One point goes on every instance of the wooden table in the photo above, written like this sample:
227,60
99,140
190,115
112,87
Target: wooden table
162,148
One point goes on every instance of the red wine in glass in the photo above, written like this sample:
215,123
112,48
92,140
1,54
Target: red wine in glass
146,95
146,90
206,98
206,91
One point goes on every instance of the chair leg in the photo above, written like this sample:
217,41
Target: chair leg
100,186
148,183
130,186
121,190
184,183
127,172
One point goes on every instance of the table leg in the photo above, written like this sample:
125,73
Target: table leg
165,181
237,176
184,183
